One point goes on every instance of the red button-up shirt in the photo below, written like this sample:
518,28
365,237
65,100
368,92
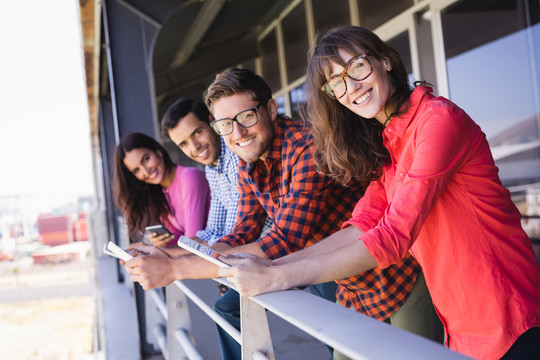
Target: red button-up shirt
307,207
441,198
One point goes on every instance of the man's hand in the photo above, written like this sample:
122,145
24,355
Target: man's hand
131,247
151,268
250,274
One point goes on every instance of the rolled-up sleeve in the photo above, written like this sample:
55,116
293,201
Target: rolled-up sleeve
370,208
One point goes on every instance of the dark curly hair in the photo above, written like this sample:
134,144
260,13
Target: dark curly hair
181,108
141,204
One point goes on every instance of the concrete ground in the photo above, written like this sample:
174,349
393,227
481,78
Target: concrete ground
47,311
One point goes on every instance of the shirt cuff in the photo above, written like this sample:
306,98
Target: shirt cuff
229,240
362,226
273,248
207,236
376,250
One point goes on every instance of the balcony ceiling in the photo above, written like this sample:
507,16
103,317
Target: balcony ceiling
195,39
204,37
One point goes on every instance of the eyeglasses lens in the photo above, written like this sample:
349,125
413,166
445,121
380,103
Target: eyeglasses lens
357,70
245,119
223,127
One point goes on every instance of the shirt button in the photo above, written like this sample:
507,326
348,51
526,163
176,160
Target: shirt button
427,182
401,175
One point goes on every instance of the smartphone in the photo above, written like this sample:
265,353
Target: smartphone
201,250
158,230
116,251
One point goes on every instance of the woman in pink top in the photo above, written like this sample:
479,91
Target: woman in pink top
150,190
434,192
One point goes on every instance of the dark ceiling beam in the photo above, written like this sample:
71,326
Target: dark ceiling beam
206,16
172,81
140,13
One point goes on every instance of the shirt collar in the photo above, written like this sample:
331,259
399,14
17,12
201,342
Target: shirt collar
276,147
220,166
277,142
399,124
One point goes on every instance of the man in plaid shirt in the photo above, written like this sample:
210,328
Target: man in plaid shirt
277,177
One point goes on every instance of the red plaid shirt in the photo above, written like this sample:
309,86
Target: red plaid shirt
306,207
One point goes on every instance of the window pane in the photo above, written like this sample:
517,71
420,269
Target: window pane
296,42
374,13
280,100
330,13
400,43
248,65
270,63
494,75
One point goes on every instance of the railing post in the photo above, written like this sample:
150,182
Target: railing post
178,319
256,338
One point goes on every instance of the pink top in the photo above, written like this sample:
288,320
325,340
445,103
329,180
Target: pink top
441,198
189,199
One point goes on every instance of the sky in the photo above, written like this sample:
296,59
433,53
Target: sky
44,124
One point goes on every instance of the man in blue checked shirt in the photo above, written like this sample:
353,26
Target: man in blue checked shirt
186,123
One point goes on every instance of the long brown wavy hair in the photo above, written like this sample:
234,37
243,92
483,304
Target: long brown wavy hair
141,204
348,146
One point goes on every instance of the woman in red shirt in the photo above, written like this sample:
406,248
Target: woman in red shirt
434,192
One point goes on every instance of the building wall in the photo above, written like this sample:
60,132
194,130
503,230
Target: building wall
482,54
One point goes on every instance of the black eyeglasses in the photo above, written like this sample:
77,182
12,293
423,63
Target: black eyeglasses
245,119
358,68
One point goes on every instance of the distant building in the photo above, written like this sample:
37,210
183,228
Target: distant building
61,229
80,232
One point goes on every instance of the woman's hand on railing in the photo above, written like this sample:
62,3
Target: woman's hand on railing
250,274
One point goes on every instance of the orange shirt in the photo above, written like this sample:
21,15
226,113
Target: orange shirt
442,200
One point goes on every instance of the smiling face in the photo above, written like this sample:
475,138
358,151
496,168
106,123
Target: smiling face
146,165
253,143
366,98
196,139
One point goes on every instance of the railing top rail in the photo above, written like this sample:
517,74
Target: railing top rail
356,335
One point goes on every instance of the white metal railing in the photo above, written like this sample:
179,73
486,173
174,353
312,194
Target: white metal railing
353,334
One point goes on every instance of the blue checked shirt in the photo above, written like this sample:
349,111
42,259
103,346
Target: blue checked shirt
224,191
